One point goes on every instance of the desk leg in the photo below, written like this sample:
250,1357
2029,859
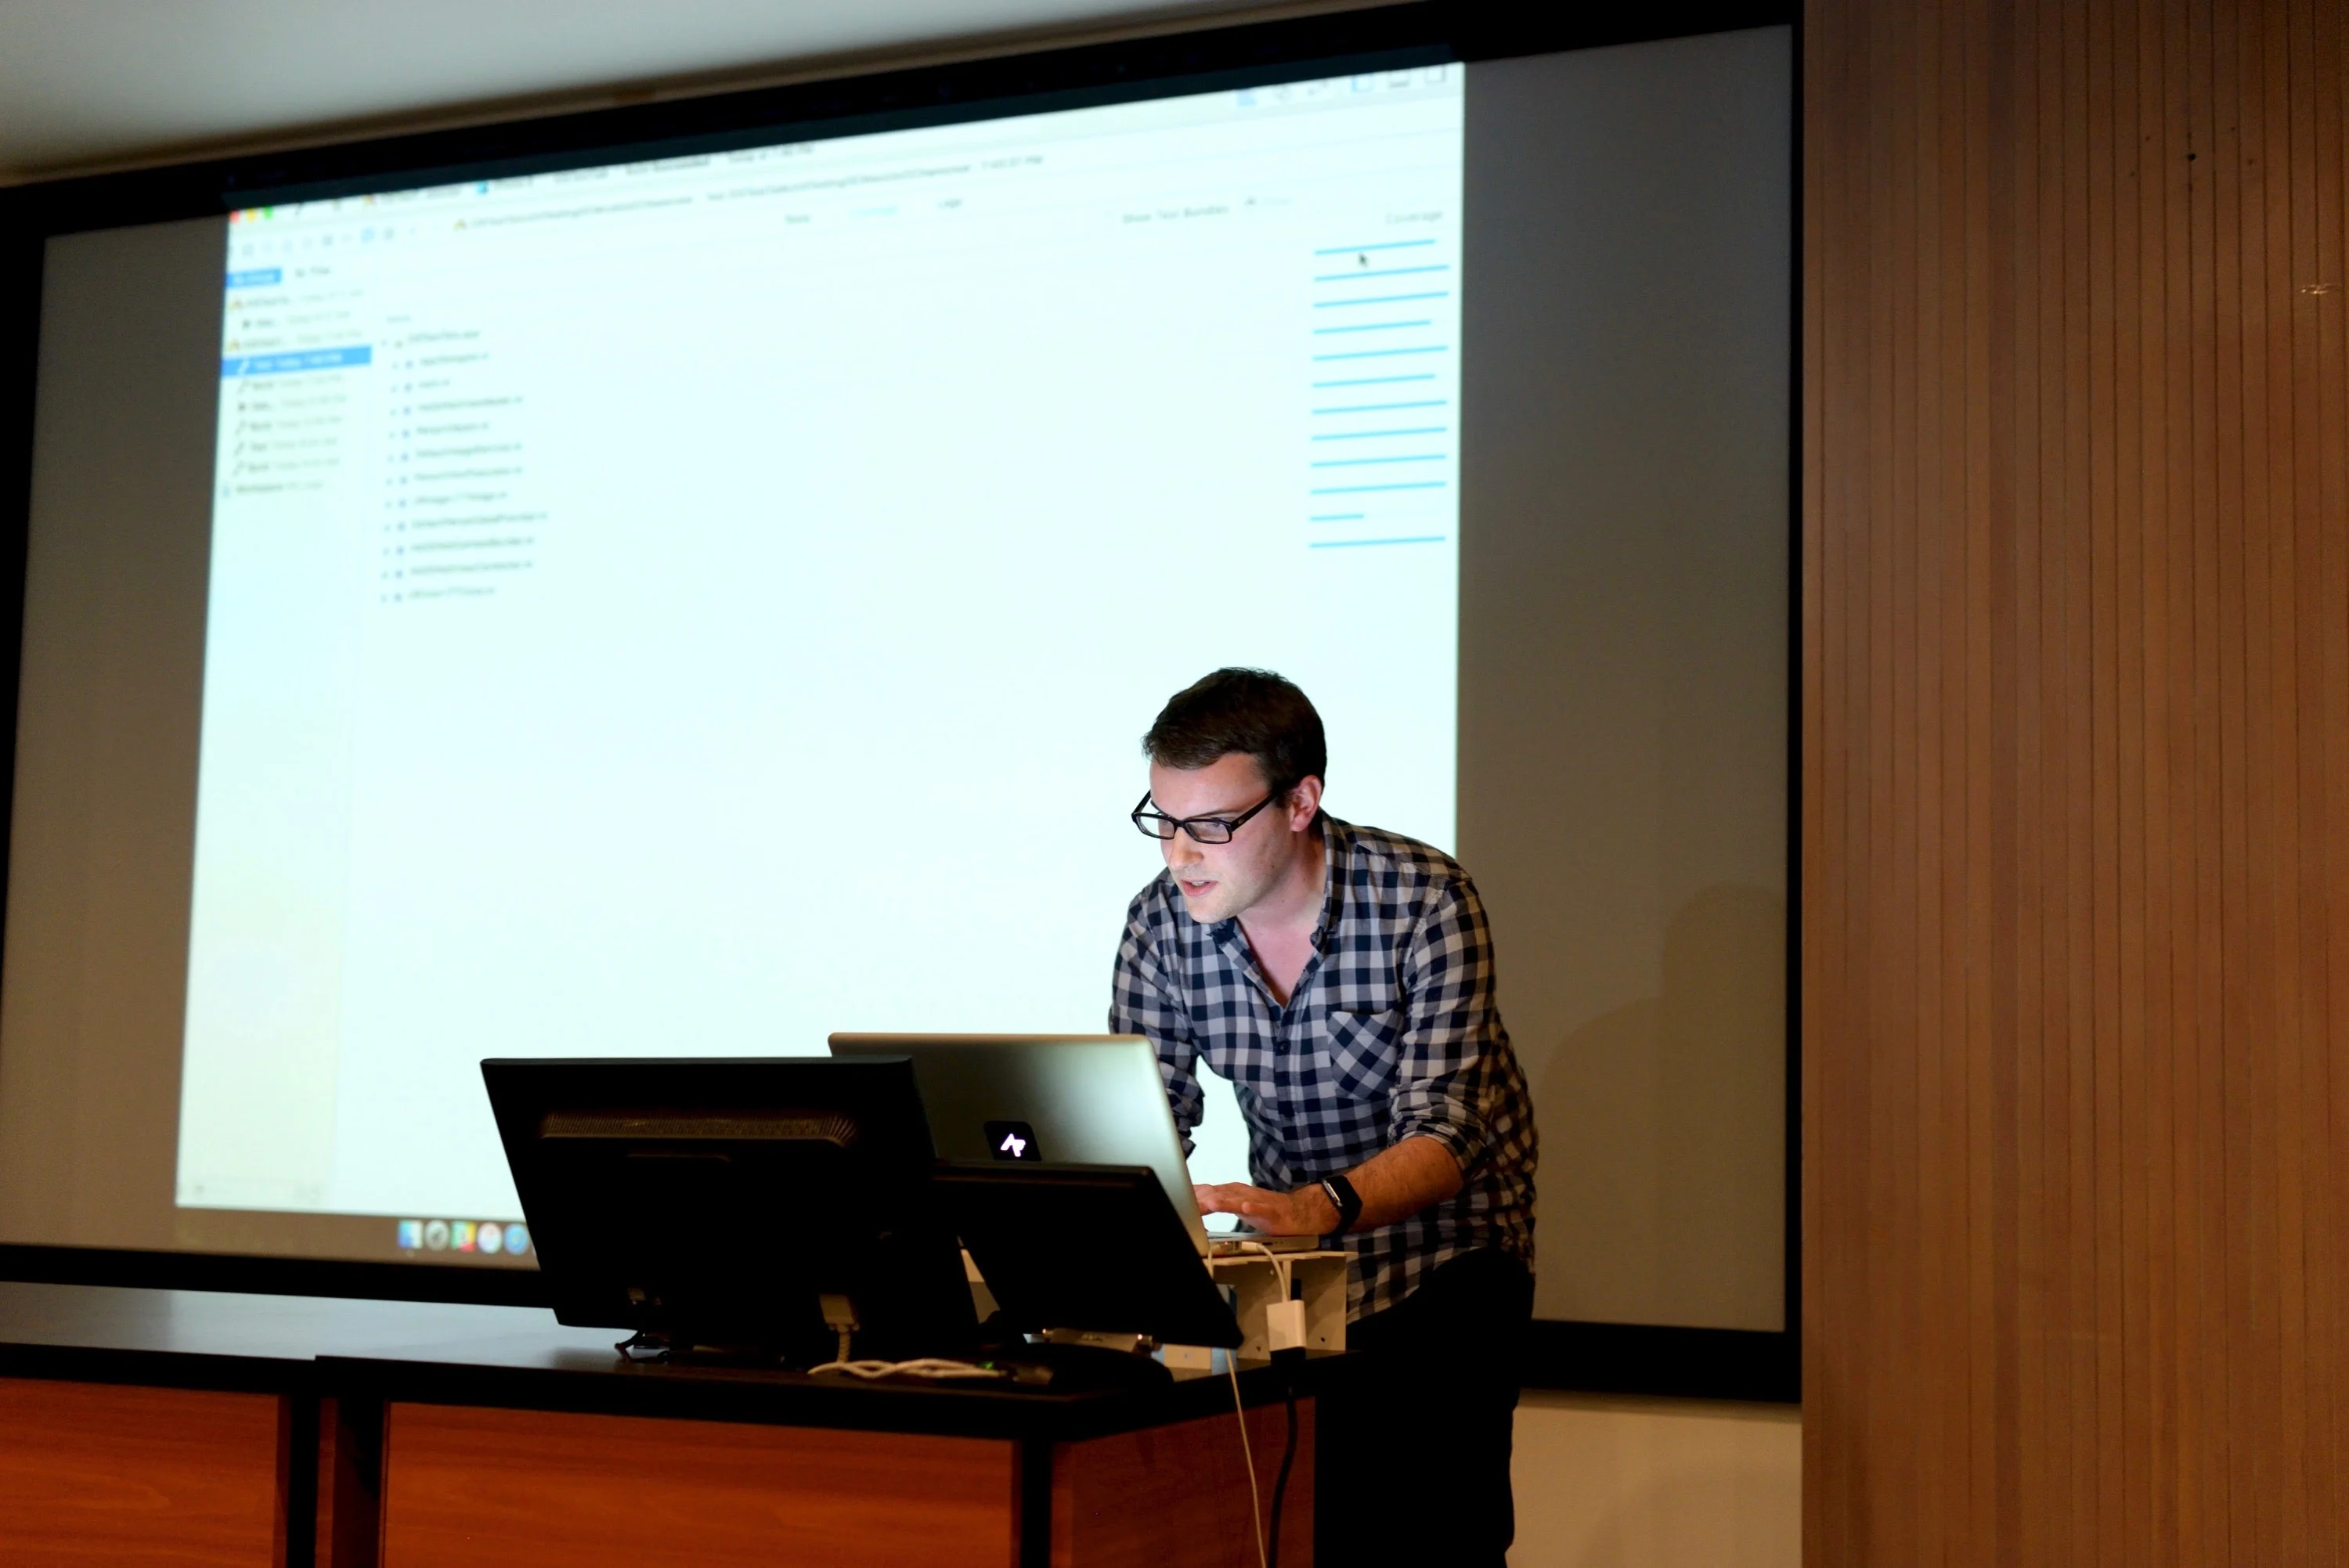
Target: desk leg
1032,1492
350,1483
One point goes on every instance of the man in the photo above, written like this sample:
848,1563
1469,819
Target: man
1341,979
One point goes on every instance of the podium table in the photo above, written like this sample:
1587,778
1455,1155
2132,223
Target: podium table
193,1427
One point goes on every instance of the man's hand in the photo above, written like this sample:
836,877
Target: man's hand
1393,1185
1307,1212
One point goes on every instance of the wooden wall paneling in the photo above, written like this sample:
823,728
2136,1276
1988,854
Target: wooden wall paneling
2124,1286
1987,1197
99,1473
2146,778
2075,801
2099,294
509,1489
2175,1010
2320,445
2304,1155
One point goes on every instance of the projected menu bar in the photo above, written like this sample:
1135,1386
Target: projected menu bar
849,183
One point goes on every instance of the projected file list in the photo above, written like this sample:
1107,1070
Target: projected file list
459,518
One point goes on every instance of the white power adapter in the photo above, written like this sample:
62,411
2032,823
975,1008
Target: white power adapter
1284,1325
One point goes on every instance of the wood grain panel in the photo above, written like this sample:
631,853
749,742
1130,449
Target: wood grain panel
95,1473
509,1489
2075,780
1177,1496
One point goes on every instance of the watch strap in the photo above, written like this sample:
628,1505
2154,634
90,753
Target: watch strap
1348,1202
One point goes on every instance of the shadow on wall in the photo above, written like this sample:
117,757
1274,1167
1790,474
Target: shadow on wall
1672,1192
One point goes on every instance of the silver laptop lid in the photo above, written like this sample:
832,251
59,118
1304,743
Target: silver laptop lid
1065,1099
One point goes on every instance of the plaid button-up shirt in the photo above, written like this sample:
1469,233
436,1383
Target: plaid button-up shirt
1389,1033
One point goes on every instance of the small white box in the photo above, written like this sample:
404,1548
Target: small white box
1312,1282
1283,1324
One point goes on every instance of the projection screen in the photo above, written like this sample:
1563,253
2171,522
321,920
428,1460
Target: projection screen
689,605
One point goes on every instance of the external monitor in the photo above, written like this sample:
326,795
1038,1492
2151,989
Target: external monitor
1052,1099
716,1205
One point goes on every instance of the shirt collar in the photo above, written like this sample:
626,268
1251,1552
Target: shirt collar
1336,839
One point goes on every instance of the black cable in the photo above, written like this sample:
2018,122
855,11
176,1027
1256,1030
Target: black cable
1280,1482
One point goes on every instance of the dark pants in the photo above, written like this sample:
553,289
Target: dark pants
1411,1461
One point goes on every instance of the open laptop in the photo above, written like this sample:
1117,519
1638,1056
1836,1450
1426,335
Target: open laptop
1059,1099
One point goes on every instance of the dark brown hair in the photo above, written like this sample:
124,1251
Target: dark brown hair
1254,712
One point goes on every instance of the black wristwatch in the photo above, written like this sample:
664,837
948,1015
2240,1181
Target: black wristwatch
1348,1201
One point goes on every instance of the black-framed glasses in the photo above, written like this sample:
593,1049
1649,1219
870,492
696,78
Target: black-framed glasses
1203,830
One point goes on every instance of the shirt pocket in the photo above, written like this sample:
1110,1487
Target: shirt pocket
1361,1051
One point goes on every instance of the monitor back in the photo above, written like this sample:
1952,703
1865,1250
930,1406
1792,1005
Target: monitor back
717,1201
1052,1099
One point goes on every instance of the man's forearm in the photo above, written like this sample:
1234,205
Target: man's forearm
1400,1180
1393,1185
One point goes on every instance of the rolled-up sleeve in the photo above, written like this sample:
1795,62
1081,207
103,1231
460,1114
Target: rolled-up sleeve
1452,1031
1143,1001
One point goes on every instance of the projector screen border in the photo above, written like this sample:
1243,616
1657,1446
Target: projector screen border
1596,1357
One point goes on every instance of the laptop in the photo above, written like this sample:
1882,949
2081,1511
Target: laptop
1052,1099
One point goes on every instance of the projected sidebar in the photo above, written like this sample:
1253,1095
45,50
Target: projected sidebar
299,369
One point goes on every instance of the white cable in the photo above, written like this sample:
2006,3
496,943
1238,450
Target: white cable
927,1366
1247,1457
1279,1264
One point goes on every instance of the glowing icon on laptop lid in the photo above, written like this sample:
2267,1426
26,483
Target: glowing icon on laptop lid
1012,1140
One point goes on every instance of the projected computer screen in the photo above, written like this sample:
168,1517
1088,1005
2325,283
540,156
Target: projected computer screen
693,606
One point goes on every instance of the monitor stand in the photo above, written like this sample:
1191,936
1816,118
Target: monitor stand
674,1348
1085,1363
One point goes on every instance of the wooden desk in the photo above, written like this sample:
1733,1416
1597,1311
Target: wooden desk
195,1428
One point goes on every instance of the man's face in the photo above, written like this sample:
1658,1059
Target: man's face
1220,881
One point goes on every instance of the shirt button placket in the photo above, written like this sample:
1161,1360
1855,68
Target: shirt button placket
1284,1072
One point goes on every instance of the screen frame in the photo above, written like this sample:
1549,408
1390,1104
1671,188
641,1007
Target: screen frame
1596,1357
